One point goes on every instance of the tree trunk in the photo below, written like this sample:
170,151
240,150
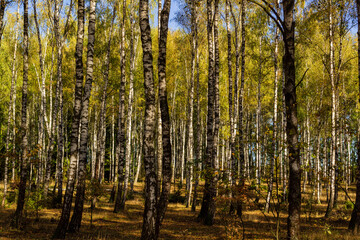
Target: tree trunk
120,150
58,95
333,119
208,206
149,217
59,44
159,145
291,121
354,223
274,158
241,108
42,115
165,117
130,106
61,229
194,18
24,165
101,134
190,142
258,121
10,133
75,222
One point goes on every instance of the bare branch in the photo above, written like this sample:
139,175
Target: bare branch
277,20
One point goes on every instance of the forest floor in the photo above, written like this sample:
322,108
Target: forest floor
180,222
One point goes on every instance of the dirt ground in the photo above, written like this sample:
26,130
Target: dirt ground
180,222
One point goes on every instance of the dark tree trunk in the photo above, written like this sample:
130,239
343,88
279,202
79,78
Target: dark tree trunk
149,217
61,229
24,167
165,117
354,223
292,121
208,207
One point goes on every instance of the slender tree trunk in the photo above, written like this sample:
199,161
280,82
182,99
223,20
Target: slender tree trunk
130,106
241,108
61,229
333,119
194,18
121,141
354,223
230,82
24,165
274,158
317,169
159,144
75,222
42,114
101,134
165,118
10,133
190,142
54,109
258,121
149,217
60,145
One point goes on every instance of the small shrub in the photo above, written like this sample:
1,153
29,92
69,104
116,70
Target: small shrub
348,205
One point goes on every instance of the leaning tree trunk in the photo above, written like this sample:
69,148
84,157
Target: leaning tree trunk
165,118
75,222
354,223
24,167
120,150
10,134
149,217
61,229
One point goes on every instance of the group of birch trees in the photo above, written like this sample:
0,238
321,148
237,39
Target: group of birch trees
224,101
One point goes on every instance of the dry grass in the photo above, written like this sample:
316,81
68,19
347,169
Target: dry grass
180,222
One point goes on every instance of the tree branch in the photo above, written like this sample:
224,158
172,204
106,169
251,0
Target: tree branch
302,78
278,21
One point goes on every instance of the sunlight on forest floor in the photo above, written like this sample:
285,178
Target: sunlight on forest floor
180,222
